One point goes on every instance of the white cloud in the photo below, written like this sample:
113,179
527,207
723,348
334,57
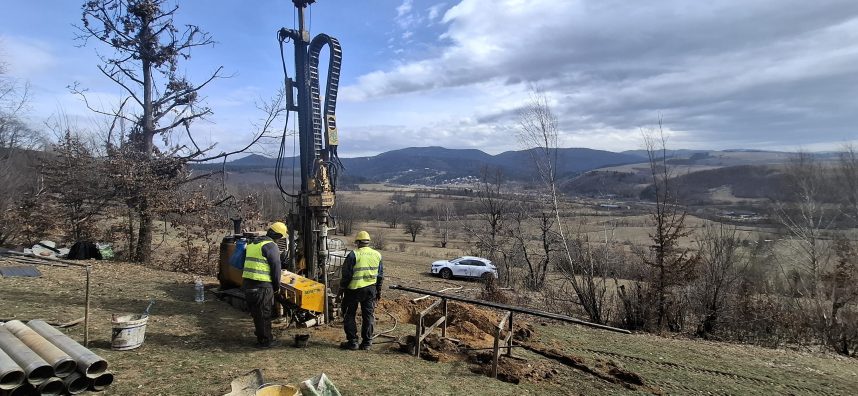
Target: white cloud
403,8
434,11
26,57
720,71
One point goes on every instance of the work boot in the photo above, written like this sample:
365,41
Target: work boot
268,345
352,346
365,347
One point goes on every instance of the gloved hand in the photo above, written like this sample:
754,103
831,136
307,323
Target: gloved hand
378,295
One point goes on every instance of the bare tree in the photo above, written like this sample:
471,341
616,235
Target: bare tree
443,216
841,331
493,210
847,179
19,187
392,214
347,214
75,184
413,228
147,48
805,217
671,264
582,267
536,252
722,263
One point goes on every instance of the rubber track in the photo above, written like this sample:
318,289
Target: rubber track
733,376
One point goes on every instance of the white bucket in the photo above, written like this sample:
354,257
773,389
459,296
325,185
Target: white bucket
128,331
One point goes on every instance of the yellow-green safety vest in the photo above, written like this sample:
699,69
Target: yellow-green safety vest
365,271
255,265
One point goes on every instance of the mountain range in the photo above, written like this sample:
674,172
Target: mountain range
439,165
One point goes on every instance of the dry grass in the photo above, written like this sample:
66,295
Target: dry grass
196,349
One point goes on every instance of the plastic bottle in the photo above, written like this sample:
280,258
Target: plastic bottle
199,292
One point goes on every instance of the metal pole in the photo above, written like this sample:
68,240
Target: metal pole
86,308
511,308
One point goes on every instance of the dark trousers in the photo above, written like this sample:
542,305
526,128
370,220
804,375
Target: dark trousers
260,301
364,296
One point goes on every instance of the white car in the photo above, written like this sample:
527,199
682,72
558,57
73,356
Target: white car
465,267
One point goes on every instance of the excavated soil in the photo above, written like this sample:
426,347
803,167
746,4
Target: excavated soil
470,331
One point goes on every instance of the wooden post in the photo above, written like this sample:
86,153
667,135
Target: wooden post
86,309
496,349
444,329
509,337
417,336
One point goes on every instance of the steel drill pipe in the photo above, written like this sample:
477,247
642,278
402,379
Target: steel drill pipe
62,363
11,374
512,308
90,364
25,389
52,387
36,369
101,382
76,383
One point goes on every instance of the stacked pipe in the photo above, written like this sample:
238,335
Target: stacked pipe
36,358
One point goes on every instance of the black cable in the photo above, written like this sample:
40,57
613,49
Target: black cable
282,38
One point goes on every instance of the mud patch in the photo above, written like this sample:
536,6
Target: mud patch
512,370
607,370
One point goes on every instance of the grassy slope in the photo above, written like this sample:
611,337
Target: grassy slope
198,348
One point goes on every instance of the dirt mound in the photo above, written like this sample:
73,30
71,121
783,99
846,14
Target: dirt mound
473,326
512,370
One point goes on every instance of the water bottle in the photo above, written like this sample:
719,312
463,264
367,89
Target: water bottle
199,292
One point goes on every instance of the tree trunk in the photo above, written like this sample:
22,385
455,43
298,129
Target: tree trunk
144,236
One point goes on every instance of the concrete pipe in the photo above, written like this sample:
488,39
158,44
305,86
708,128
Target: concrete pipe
36,369
88,363
76,383
11,374
62,363
101,382
53,387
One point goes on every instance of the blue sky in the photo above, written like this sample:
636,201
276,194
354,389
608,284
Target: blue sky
763,74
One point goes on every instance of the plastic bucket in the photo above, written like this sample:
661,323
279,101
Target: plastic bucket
277,390
128,331
301,340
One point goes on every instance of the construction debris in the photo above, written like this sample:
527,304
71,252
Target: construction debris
47,249
320,385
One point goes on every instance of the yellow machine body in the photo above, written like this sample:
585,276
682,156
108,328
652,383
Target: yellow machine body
304,293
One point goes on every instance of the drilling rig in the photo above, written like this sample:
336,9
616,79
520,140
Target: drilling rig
310,220
308,296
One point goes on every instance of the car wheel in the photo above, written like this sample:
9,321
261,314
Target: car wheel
446,273
487,276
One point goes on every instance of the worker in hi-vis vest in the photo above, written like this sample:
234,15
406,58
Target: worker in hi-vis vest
261,281
360,284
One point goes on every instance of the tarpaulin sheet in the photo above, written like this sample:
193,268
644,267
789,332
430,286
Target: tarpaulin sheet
29,271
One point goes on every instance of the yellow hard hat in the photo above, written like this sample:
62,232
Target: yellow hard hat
362,236
279,228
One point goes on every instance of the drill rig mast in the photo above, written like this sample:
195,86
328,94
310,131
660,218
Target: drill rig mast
317,136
